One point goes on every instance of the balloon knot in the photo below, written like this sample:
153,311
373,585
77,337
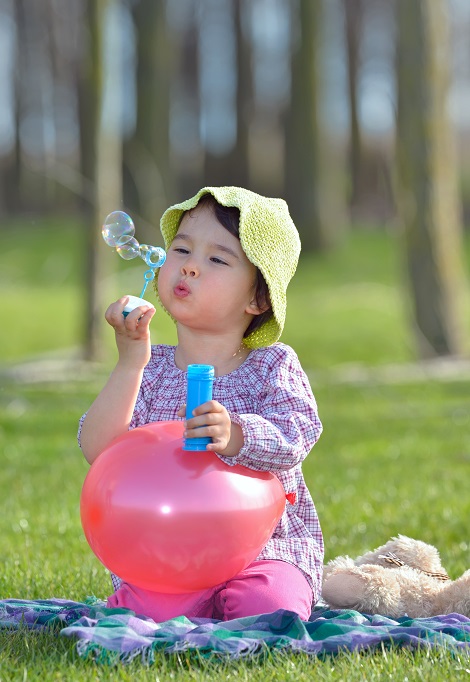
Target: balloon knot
291,497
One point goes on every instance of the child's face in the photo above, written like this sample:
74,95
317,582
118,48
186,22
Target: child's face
207,282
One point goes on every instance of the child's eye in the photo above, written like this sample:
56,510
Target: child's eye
181,249
219,261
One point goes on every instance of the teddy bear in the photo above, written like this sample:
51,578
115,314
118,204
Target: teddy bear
404,577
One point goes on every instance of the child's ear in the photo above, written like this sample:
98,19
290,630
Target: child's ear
254,308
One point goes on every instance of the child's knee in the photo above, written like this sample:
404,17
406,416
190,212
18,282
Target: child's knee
265,587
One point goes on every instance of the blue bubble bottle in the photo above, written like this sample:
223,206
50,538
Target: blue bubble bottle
199,391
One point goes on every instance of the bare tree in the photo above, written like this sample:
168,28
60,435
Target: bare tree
32,80
11,170
305,160
185,103
353,25
232,167
147,153
427,176
101,166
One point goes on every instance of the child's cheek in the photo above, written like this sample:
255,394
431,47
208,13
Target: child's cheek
162,282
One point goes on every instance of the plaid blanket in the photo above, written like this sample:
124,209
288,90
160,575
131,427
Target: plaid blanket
109,635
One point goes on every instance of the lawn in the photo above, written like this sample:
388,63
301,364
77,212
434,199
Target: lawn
394,457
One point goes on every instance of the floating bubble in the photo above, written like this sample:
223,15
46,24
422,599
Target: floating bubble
154,256
129,250
118,232
118,229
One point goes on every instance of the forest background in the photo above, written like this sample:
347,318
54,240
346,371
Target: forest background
355,111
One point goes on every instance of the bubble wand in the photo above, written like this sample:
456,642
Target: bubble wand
118,232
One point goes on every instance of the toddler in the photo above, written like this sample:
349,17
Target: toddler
230,256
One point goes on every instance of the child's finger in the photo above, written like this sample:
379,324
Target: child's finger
113,314
139,318
140,312
206,419
209,406
216,446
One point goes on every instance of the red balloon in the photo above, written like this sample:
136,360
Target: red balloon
174,521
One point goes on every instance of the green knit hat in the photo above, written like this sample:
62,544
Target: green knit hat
269,239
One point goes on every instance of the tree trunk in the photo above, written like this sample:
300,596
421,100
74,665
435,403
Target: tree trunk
188,146
233,168
305,181
147,153
353,13
32,190
101,168
10,168
427,196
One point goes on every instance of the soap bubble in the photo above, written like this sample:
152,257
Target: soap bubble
118,232
118,229
129,250
154,256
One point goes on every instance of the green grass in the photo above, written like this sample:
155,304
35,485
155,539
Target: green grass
43,659
349,306
394,458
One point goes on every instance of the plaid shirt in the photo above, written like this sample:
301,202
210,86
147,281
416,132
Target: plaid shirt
269,396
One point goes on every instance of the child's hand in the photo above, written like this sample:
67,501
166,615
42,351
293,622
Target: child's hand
132,332
212,420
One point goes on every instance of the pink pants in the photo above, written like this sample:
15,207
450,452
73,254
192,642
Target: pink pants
263,587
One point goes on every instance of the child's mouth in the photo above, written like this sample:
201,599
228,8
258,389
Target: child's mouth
181,290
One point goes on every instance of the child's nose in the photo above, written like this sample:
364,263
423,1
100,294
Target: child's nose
189,269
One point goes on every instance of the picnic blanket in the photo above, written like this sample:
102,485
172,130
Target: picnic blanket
109,635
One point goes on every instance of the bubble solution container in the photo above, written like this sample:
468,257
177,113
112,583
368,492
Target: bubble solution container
200,380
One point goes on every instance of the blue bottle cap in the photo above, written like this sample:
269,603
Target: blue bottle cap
200,372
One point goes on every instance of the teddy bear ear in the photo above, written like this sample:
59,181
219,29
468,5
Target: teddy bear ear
391,558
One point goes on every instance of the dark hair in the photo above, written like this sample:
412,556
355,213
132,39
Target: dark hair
229,217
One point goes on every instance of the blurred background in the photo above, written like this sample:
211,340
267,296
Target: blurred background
355,111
